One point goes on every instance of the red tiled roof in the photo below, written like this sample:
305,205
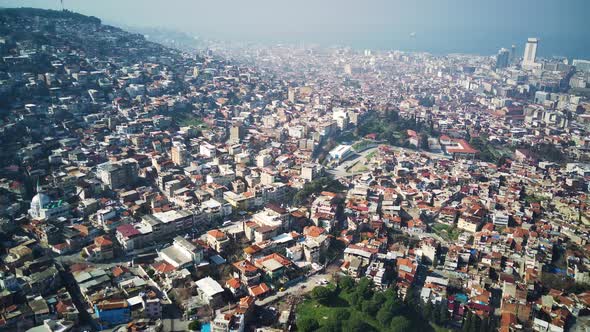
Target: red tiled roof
216,233
247,301
464,147
313,231
245,266
233,283
278,257
102,241
259,289
81,228
118,270
163,267
128,231
108,304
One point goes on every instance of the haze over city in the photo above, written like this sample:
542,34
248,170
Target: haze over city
440,27
294,166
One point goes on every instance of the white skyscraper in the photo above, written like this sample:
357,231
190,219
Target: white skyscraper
530,52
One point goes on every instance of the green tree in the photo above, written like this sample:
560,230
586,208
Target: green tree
379,298
484,325
441,314
391,293
331,325
399,324
384,316
347,283
393,306
365,288
355,300
307,325
369,307
341,314
424,142
472,323
195,325
412,297
356,325
468,322
321,294
427,310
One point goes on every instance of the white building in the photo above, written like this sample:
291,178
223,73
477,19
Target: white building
500,219
530,53
181,253
341,152
43,208
207,150
210,291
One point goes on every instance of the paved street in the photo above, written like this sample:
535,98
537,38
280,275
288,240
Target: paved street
302,287
342,169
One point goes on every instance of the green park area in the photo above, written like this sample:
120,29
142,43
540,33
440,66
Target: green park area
362,145
316,186
352,306
186,118
447,232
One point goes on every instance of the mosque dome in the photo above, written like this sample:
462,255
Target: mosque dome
39,201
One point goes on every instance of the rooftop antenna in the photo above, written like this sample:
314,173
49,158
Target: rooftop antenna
62,5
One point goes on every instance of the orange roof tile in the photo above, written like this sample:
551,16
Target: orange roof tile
259,289
163,267
216,233
233,283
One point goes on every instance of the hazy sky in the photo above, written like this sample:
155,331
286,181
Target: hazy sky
441,26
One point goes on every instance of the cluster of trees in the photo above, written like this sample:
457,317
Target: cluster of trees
391,127
367,309
316,186
361,307
544,151
352,83
486,151
362,145
563,282
473,323
549,152
436,313
195,325
426,101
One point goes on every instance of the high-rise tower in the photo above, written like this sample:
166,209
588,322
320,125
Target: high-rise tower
530,52
502,58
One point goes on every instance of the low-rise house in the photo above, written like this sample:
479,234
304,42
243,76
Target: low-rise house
217,240
110,313
100,250
247,272
273,265
210,291
182,253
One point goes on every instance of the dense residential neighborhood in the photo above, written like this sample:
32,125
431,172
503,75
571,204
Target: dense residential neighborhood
151,188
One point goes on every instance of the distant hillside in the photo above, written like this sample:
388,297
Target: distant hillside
37,45
47,13
41,32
